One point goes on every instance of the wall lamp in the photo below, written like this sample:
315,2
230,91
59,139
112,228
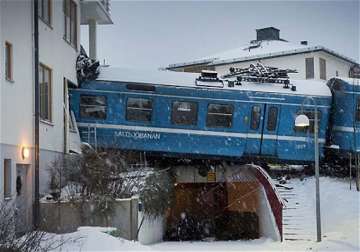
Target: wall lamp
25,152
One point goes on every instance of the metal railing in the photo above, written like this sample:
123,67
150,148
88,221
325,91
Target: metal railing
106,4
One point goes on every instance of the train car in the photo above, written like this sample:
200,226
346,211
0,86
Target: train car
345,115
180,114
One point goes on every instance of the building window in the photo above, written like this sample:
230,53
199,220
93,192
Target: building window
309,68
255,117
70,22
45,11
93,106
272,119
311,116
322,69
8,61
358,110
139,109
7,178
184,113
219,115
45,92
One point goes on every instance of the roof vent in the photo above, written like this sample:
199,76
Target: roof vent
268,33
304,42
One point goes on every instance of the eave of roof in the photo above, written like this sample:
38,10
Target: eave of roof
217,61
283,53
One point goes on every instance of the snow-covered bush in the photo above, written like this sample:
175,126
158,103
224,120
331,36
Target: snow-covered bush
157,193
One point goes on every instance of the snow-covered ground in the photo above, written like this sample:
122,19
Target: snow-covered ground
340,226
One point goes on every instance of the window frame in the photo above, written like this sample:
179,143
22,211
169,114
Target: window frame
70,11
7,181
81,105
139,109
273,122
357,111
41,13
9,73
307,74
258,121
43,68
322,68
193,122
220,114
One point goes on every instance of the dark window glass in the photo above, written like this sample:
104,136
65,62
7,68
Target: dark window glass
255,117
7,178
358,111
70,22
322,63
309,66
139,109
92,106
219,115
311,116
184,113
272,118
45,92
8,61
45,11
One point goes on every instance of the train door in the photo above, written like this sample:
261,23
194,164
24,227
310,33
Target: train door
254,135
270,130
357,124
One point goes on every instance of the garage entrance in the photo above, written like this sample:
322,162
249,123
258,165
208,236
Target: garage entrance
234,207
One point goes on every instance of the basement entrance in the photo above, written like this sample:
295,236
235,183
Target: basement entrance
239,203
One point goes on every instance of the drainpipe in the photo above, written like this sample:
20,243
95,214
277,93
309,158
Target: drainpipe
36,208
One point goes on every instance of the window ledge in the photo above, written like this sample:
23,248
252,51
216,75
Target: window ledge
46,23
47,122
70,44
9,80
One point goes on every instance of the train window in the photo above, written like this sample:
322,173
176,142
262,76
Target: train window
255,117
311,116
184,113
358,110
219,115
272,118
93,106
139,109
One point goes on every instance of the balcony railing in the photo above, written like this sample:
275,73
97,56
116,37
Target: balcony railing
106,4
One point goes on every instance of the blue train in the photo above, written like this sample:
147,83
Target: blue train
187,115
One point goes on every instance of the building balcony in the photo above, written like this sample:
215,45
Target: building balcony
97,10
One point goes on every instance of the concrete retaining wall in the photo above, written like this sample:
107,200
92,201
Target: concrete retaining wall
66,217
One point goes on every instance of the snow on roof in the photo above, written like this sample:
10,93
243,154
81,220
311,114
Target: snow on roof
160,77
268,48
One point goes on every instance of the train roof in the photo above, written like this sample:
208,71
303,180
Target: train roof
350,81
181,79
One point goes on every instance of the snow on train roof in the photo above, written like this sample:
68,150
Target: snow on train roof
160,77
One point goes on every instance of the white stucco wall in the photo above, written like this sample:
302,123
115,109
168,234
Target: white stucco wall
297,62
17,96
60,56
267,222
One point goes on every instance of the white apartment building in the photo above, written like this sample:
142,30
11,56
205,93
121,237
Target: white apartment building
59,44
310,61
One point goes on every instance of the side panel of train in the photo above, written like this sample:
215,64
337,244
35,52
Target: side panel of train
345,115
200,122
